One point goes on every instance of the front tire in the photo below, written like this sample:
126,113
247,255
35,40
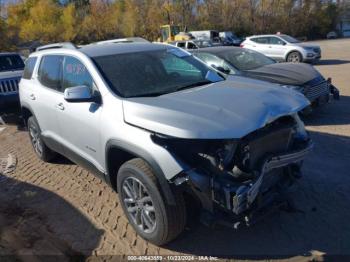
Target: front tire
146,209
40,149
294,57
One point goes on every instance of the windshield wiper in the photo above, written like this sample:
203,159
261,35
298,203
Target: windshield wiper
149,94
201,83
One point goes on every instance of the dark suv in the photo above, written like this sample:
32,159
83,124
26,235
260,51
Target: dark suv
11,70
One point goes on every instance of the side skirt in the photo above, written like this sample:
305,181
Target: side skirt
74,157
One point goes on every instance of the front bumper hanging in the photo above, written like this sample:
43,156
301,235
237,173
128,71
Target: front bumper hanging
246,194
244,203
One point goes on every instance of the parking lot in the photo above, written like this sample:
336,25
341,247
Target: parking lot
62,209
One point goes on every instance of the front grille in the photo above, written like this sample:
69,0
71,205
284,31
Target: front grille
9,86
315,91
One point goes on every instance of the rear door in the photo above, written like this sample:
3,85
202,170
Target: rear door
44,96
26,84
260,44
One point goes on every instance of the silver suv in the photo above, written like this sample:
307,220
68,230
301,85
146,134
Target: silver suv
165,131
283,48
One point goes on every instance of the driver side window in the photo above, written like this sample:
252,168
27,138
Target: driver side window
75,74
275,41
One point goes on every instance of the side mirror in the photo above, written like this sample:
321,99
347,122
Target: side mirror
79,94
213,77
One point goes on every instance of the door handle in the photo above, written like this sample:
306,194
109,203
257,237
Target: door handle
32,96
60,106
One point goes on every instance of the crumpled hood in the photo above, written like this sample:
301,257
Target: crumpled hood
223,110
285,73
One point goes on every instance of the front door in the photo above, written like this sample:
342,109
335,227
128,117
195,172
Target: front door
80,122
277,47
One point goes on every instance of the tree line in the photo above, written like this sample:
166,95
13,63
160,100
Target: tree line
85,21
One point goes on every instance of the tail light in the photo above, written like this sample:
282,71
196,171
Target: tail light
241,45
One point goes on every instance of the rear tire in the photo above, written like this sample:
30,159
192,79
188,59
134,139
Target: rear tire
294,57
148,212
40,149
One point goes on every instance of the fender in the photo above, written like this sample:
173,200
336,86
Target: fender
146,156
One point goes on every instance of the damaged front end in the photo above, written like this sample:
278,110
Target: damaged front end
234,179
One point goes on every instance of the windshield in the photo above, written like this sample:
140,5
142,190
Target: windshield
289,39
245,59
11,62
152,73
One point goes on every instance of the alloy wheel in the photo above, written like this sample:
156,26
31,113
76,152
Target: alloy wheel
139,204
294,58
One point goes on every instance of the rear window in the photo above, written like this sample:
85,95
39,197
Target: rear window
29,67
260,40
50,71
11,62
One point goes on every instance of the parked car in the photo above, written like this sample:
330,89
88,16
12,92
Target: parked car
185,44
212,35
11,70
194,44
244,62
163,128
229,38
283,48
332,35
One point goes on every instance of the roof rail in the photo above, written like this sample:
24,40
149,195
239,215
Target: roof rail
67,45
124,40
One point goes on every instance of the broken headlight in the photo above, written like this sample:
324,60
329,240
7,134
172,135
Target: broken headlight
300,131
199,152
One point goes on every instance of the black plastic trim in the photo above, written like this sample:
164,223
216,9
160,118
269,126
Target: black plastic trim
74,157
141,153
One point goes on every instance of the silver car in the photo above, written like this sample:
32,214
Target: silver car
165,131
283,48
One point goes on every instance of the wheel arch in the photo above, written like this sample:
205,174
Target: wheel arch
291,51
26,112
118,152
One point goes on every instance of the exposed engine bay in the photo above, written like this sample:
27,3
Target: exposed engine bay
234,175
